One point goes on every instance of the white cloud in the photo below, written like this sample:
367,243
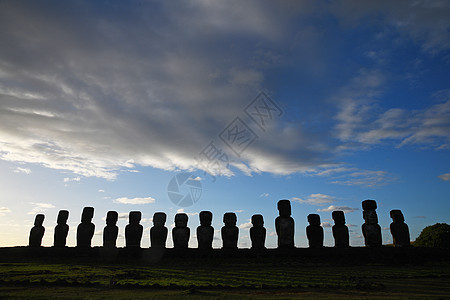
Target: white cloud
95,96
4,210
445,177
22,170
246,225
198,178
93,99
101,191
361,124
181,210
264,195
40,207
239,211
326,224
367,178
345,209
125,200
67,179
315,199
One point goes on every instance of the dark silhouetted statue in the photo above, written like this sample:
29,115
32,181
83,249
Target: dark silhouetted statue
111,230
158,233
399,229
284,225
370,229
340,230
61,229
230,232
133,231
37,232
181,233
85,231
205,232
314,231
258,233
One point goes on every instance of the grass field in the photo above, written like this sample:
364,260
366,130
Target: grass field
238,279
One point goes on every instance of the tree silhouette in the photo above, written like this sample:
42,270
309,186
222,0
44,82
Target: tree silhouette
437,235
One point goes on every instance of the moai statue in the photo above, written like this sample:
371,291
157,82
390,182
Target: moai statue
85,231
399,229
61,229
181,233
205,232
314,231
111,230
37,232
370,229
158,233
284,225
230,232
133,231
340,230
258,233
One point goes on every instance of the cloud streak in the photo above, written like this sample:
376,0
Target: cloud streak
345,209
95,92
135,201
315,199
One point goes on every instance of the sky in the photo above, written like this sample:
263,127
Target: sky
227,106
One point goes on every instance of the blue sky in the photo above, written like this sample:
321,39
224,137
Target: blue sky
102,104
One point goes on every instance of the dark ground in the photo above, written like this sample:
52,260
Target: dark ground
328,273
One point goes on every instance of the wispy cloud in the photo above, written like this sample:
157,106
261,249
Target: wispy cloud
4,210
355,176
125,200
315,199
345,209
264,195
181,210
361,124
68,179
246,225
367,178
445,177
22,170
40,207
326,224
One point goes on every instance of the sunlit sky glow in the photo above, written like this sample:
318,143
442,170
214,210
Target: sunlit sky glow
103,102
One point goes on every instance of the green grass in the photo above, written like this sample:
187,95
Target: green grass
240,278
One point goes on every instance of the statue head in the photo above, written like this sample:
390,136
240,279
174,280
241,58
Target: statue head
230,219
205,218
181,220
284,208
111,218
39,219
134,217
63,215
159,219
314,219
87,215
338,217
370,217
397,216
369,205
257,220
